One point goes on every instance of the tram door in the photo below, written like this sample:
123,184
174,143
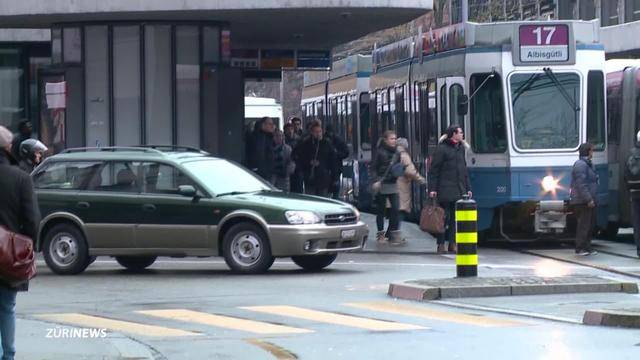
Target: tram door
450,91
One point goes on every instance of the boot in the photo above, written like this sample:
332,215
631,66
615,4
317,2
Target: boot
453,248
441,249
395,238
381,237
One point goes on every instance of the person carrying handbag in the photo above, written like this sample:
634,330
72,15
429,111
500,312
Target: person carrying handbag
386,170
449,181
18,214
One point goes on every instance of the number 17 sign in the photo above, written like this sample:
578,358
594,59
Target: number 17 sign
544,43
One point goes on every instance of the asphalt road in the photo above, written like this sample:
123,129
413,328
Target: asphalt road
196,309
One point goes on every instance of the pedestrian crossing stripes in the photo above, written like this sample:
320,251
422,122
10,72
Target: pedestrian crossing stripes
418,313
227,322
115,325
425,313
333,318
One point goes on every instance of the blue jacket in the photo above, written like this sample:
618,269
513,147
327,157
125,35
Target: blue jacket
584,182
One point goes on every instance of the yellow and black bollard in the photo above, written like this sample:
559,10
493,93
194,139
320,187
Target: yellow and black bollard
467,237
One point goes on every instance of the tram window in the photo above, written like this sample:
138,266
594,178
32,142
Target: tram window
544,118
400,112
488,127
319,111
614,106
365,122
393,119
595,110
455,93
334,113
432,119
444,119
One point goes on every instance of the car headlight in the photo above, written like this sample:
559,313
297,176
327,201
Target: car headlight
549,183
357,213
302,217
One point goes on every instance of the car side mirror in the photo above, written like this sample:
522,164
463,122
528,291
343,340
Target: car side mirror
187,190
463,105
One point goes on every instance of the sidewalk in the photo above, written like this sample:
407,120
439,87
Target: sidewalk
418,242
38,340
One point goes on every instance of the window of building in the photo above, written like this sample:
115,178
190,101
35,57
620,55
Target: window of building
188,85
158,85
609,13
97,126
596,132
56,45
211,44
488,126
126,85
72,43
12,104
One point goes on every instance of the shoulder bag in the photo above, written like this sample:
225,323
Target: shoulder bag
17,261
432,218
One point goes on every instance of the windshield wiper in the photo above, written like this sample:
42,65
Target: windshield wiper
524,87
563,91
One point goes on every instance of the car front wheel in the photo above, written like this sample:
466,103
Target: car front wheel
314,262
65,250
246,249
136,263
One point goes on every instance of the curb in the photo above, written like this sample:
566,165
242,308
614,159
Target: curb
615,318
416,292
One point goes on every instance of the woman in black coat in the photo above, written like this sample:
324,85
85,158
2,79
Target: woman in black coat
449,180
19,214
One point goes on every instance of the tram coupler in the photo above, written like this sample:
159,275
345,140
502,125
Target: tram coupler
550,217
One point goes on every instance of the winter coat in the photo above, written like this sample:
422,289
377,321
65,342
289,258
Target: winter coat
322,151
18,204
633,185
384,158
404,182
15,145
584,182
284,167
448,174
26,165
260,158
341,149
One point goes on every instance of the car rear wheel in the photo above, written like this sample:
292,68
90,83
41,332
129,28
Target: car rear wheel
246,249
314,262
65,250
136,263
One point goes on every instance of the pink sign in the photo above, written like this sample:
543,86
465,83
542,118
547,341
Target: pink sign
544,43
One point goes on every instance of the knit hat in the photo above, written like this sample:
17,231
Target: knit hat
6,137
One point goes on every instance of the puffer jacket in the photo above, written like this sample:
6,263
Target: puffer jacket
448,174
584,182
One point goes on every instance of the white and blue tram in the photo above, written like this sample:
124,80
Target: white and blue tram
623,114
527,94
340,97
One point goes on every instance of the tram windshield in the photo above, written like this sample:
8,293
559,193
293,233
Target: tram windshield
544,110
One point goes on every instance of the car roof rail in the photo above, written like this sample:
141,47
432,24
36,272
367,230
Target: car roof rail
111,149
176,148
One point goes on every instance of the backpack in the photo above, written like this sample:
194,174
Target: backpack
633,170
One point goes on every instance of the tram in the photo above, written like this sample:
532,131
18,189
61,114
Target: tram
340,97
526,94
623,113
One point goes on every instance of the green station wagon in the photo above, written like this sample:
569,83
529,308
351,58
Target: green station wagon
140,203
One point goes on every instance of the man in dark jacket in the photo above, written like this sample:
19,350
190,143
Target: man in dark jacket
25,131
293,140
18,213
584,188
632,178
449,181
260,158
342,152
317,160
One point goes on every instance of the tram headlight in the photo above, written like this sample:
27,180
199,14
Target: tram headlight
549,183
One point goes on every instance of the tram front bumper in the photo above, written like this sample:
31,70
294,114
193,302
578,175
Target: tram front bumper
551,217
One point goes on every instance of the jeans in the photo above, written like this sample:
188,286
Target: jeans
381,205
449,223
635,215
8,322
585,217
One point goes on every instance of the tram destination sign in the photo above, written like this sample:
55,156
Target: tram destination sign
542,43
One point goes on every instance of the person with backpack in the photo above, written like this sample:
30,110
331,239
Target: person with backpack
342,152
632,179
584,187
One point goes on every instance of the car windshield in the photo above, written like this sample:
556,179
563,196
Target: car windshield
224,177
544,112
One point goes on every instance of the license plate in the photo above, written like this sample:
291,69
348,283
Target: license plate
347,234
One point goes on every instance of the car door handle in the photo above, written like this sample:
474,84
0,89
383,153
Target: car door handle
83,205
149,207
